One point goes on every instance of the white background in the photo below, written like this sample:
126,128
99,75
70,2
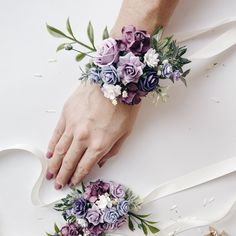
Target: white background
190,131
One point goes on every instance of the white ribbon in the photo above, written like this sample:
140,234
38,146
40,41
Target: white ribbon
198,177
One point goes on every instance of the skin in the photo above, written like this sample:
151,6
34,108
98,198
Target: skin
91,129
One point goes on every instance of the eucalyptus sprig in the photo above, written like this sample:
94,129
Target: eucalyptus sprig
69,35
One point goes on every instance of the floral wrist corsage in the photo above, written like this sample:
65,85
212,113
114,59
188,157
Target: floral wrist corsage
99,208
129,68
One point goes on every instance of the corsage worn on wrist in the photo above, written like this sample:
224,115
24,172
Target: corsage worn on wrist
128,68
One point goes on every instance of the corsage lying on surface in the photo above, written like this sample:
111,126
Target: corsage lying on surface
99,208
129,68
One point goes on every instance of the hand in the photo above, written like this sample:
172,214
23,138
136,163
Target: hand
90,131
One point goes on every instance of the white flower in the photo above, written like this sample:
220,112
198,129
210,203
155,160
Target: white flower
165,62
159,72
124,94
114,102
111,91
151,57
82,222
104,201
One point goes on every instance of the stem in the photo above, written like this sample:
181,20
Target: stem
82,44
82,52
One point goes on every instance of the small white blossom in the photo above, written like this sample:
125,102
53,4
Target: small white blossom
114,102
82,222
111,91
165,61
151,57
104,201
159,72
124,94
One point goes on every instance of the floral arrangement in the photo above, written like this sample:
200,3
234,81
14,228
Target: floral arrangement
99,208
128,68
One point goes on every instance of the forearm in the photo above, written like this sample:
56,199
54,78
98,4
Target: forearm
144,14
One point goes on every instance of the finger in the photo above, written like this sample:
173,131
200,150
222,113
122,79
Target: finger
114,151
89,159
70,162
61,148
58,131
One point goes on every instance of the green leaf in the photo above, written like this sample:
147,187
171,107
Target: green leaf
55,32
158,33
186,73
105,34
144,228
49,234
143,216
131,225
151,222
153,229
184,61
83,186
57,230
184,81
90,33
68,27
80,57
61,47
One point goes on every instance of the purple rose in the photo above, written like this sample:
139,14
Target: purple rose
107,53
80,207
141,43
95,189
94,75
134,94
176,75
167,70
123,208
148,81
71,230
117,190
111,215
109,75
94,216
120,222
130,68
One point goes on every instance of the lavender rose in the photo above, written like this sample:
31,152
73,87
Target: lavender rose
176,75
71,230
94,75
141,44
167,70
148,81
107,53
94,216
120,222
117,190
123,208
109,75
130,68
111,215
80,207
95,189
95,230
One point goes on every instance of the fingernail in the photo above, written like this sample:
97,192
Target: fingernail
49,176
49,155
57,186
71,185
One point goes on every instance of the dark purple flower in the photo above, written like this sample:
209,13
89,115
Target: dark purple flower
117,190
94,216
129,68
141,43
95,230
128,33
176,75
109,75
111,215
80,207
71,230
148,81
123,208
94,75
107,53
95,189
167,70
120,222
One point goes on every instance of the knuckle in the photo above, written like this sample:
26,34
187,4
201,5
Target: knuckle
60,150
82,135
58,132
68,165
98,147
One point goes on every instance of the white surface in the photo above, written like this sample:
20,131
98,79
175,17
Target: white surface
190,131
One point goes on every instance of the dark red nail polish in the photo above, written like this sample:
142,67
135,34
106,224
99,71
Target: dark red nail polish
49,155
58,186
49,176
